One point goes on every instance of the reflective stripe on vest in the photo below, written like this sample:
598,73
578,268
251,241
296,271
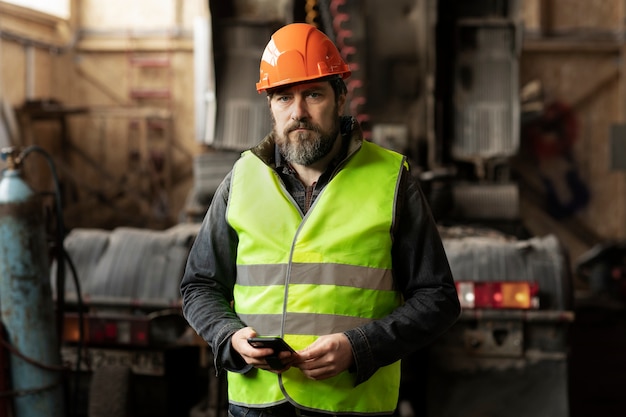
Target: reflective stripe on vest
325,273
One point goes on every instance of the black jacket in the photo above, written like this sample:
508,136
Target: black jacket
420,269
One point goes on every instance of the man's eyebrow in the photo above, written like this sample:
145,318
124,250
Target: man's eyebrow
287,90
314,88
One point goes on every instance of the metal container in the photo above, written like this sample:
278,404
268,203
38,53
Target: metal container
27,309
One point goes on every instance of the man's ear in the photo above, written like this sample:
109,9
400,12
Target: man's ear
341,104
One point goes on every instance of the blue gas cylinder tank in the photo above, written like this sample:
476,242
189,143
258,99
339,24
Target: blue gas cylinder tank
13,189
26,304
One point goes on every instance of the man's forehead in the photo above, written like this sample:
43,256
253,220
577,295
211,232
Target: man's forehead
303,86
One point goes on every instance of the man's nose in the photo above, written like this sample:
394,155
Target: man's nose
299,110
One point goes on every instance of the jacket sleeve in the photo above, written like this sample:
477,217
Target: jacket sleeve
422,273
208,281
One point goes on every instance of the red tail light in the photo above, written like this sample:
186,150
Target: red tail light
106,330
498,294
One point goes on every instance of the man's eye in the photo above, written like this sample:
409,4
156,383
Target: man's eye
282,99
314,95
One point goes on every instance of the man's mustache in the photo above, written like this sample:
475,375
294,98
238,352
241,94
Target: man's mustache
300,125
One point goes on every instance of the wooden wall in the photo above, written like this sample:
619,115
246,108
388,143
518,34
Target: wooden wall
575,50
112,33
105,164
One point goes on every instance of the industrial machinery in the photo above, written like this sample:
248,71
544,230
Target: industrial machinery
452,105
512,336
124,335
121,329
508,354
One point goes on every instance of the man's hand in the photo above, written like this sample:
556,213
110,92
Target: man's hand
256,356
326,357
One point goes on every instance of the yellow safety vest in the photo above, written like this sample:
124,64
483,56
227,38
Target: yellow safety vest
303,277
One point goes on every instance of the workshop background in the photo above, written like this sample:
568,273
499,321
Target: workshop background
88,66
143,105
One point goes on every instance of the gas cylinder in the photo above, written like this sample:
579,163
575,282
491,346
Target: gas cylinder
26,305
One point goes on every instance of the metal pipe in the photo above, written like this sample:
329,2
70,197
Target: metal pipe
29,56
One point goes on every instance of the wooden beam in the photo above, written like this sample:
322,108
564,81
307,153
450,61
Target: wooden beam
93,43
88,74
569,45
26,25
602,83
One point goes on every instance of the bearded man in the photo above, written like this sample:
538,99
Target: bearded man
322,239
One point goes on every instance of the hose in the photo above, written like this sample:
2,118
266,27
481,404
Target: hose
60,234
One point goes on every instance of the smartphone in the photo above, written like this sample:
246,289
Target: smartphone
272,342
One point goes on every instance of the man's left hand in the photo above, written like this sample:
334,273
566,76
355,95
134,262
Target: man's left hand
328,356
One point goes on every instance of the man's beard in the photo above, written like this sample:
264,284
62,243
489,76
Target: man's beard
306,148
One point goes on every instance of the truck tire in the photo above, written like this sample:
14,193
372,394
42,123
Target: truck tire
109,392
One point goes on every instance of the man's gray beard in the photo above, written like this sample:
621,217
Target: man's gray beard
307,148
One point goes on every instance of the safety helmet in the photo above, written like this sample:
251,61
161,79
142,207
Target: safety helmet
299,52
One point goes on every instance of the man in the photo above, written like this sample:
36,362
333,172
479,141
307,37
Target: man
321,238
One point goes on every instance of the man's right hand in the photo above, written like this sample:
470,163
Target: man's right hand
256,356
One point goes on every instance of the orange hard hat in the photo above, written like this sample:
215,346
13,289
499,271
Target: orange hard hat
299,52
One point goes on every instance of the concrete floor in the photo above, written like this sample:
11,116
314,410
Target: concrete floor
598,362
